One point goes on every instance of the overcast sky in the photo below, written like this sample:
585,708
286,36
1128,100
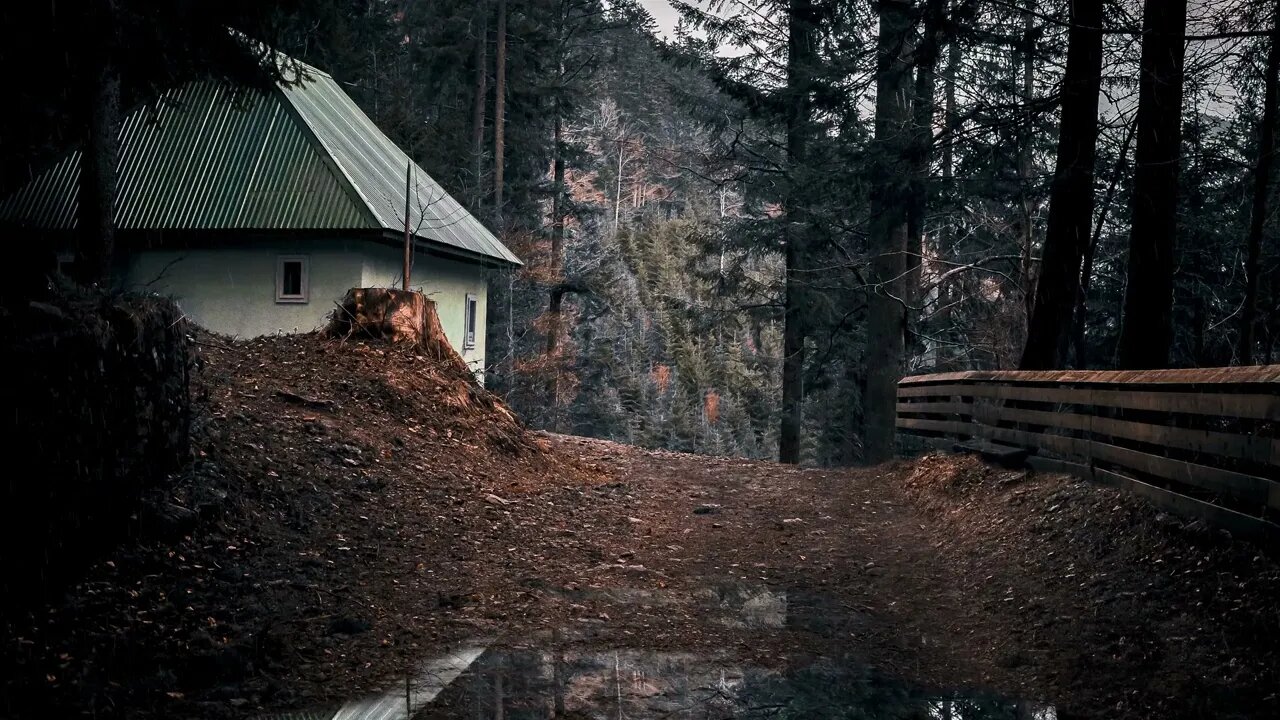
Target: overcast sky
663,13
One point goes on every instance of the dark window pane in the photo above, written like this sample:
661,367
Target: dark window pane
292,285
470,322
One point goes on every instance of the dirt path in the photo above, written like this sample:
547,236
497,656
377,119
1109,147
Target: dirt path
950,575
353,512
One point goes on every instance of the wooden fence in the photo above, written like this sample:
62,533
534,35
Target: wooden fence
1204,443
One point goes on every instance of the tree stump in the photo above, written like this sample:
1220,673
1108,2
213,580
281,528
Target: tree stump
399,316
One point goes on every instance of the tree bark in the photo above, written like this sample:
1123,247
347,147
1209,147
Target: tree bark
1148,303
408,236
481,95
888,239
941,313
1071,195
801,61
555,265
1261,195
499,113
1026,229
923,107
95,236
1080,319
952,119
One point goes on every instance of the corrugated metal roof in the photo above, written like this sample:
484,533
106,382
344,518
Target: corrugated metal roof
303,157
375,167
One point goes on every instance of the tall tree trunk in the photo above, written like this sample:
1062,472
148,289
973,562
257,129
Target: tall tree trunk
1026,229
499,695
1080,320
952,123
1148,302
1071,195
952,119
555,265
801,62
1261,194
617,191
923,106
500,113
888,240
95,236
481,96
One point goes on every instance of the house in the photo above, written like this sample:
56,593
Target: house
257,211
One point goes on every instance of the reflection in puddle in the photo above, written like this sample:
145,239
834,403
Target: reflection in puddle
409,696
753,607
536,683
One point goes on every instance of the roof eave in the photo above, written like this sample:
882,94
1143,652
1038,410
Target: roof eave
427,244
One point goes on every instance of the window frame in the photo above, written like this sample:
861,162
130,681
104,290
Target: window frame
303,297
66,264
470,319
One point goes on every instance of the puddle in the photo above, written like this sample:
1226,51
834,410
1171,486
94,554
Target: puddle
535,682
480,682
608,685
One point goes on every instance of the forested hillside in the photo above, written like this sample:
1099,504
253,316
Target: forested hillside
737,236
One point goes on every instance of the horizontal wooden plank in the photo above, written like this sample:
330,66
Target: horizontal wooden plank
1040,463
1253,406
1238,523
911,445
1248,374
1060,444
1246,488
1252,448
951,427
936,408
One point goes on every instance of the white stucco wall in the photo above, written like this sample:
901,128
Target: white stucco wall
232,290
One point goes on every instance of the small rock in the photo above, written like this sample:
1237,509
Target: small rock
707,509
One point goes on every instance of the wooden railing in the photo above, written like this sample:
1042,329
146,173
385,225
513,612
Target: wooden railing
1204,443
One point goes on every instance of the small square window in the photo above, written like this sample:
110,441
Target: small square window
469,335
67,264
292,283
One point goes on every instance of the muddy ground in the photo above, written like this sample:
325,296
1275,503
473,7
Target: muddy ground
352,509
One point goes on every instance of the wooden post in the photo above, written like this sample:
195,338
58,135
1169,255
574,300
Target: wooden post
408,239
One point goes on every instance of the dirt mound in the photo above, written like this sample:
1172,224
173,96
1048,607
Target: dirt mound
949,474
389,395
95,413
1105,588
335,489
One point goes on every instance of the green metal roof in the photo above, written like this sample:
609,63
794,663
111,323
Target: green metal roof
297,158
